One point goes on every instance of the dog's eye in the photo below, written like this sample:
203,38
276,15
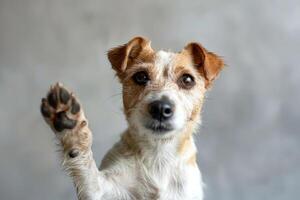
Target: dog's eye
141,78
186,81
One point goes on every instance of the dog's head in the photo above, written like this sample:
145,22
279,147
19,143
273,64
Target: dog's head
163,91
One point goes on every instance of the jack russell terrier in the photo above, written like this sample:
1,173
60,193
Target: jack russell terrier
163,93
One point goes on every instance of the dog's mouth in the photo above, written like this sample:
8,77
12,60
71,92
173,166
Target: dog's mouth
159,127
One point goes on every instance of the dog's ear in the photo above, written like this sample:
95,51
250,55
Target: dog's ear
122,56
208,63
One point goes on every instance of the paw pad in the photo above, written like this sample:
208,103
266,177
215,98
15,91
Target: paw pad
61,122
60,108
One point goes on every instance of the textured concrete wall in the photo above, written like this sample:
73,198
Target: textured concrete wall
250,138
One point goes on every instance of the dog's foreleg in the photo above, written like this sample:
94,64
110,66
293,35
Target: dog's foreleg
62,111
79,163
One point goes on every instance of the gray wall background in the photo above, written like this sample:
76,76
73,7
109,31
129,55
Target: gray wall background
249,140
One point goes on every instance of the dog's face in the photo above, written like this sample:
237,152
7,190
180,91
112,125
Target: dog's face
163,91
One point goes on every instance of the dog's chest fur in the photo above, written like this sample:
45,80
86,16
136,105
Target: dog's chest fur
156,173
162,172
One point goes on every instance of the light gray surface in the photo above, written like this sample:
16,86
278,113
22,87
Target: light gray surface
249,141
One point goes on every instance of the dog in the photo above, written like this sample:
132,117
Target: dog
163,93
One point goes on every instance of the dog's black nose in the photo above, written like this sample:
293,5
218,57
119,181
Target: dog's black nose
161,109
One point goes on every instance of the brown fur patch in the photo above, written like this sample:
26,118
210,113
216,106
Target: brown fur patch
184,144
127,60
137,50
185,141
196,112
192,160
208,64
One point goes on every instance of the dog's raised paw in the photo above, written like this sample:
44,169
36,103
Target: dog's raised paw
60,108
